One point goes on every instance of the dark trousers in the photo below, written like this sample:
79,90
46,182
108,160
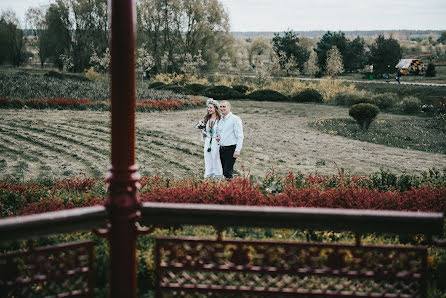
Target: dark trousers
227,160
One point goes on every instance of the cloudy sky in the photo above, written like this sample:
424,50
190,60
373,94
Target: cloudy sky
302,15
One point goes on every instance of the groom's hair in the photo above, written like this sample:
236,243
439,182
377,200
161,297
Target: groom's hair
226,102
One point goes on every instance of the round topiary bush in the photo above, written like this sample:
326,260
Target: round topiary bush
155,85
364,113
351,98
308,95
222,92
385,101
241,88
196,89
267,94
411,104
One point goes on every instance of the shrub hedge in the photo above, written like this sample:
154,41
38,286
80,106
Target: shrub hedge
308,95
156,84
380,191
385,101
196,89
411,104
351,98
222,92
267,94
241,88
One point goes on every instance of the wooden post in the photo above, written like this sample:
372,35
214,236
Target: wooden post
122,202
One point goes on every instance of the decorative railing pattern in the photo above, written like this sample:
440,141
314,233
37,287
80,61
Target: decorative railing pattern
59,271
232,267
229,267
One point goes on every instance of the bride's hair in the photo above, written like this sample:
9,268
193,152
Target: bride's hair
217,114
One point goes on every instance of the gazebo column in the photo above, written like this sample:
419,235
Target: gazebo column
122,202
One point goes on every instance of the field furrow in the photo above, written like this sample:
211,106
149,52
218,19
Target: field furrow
60,156
66,138
277,137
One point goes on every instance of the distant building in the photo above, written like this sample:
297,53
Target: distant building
410,66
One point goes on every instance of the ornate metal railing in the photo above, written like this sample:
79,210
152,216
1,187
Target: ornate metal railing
230,267
233,267
64,270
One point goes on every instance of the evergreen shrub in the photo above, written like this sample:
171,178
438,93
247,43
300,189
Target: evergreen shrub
267,94
364,113
430,71
222,92
385,101
351,98
196,89
308,95
411,104
156,85
241,88
174,88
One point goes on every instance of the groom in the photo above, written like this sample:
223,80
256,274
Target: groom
230,136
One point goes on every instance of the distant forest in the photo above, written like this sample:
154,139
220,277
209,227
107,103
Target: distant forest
349,34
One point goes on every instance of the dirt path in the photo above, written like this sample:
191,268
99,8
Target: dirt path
64,143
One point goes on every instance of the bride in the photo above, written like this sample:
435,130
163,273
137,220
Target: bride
211,147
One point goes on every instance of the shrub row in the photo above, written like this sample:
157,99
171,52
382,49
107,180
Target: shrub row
84,104
382,190
30,86
389,101
221,92
379,191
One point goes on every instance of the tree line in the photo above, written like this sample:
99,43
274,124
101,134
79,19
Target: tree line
183,36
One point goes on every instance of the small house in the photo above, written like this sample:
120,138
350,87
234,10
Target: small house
410,66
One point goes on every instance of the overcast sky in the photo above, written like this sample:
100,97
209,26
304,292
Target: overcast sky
303,15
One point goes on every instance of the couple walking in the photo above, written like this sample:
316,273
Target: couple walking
224,139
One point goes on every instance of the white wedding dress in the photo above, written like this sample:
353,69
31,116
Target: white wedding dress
212,161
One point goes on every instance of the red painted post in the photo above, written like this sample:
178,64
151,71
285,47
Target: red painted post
122,202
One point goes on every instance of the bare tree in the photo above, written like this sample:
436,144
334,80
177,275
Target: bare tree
334,64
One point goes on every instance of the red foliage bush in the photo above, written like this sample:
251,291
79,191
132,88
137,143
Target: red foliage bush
76,183
66,103
54,204
312,191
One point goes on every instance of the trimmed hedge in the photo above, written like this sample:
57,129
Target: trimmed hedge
411,104
174,88
385,101
241,88
222,93
308,95
156,85
351,98
267,94
196,89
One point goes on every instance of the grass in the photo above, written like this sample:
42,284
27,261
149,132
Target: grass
425,134
32,85
427,94
439,78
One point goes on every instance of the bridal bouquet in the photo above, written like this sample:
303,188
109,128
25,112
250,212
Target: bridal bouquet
200,124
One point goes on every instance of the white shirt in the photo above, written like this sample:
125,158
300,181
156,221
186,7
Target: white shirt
230,130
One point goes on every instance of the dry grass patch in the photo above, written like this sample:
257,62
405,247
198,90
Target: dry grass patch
277,136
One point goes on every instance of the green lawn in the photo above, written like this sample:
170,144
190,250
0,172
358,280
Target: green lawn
425,134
